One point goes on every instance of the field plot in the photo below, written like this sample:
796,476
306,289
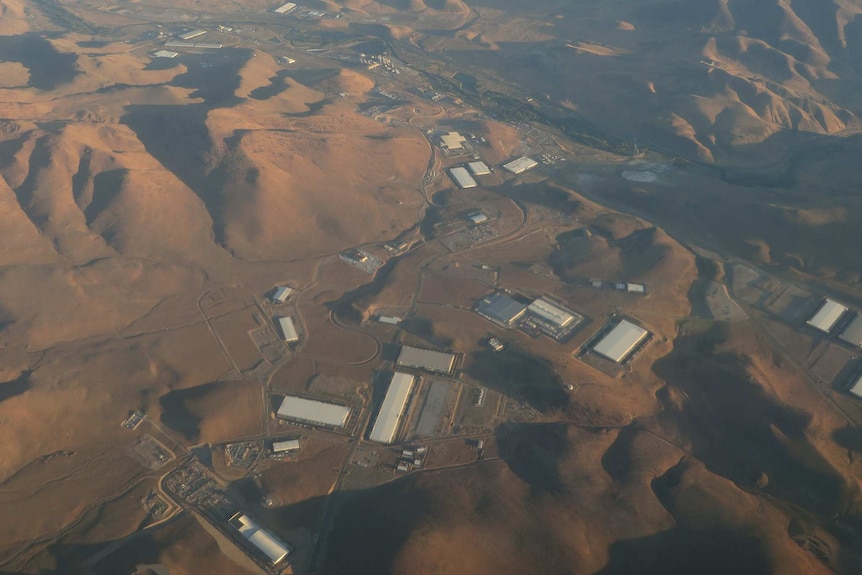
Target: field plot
234,329
150,453
269,345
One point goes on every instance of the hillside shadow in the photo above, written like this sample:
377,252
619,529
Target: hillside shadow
48,68
739,431
526,378
533,451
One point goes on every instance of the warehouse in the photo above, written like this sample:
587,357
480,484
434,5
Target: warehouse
285,8
426,360
827,316
479,168
621,341
856,388
852,334
313,412
394,405
463,178
274,549
452,142
281,294
501,309
285,446
165,54
288,330
551,312
192,34
521,165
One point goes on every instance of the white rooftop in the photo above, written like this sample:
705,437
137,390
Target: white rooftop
268,543
392,409
521,165
287,445
453,141
281,293
165,54
463,178
311,411
852,334
479,168
429,360
551,312
288,330
620,341
856,388
285,8
827,315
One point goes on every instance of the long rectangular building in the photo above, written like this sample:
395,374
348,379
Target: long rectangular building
500,308
852,334
271,546
426,360
856,388
314,412
288,330
520,165
463,178
551,312
192,34
285,446
479,168
620,341
392,410
827,316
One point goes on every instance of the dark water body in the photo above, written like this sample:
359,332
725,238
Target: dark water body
48,67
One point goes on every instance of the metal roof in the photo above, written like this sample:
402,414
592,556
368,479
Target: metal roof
281,293
551,312
192,34
394,404
479,168
856,388
311,411
852,334
521,165
288,330
463,178
285,8
268,543
502,308
288,445
453,140
433,361
827,315
620,342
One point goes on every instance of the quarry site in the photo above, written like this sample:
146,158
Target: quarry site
430,287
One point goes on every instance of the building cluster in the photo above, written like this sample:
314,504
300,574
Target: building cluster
835,318
542,315
411,458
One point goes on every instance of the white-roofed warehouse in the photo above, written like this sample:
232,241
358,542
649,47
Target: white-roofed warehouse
852,334
271,546
551,312
463,178
313,412
288,330
617,344
426,359
500,308
479,168
392,410
521,165
827,316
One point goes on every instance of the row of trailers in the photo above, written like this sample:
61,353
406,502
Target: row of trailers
396,402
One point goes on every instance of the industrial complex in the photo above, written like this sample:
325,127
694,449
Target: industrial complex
310,411
426,360
827,316
265,542
392,410
542,315
619,343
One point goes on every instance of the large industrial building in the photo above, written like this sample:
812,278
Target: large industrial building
392,410
426,360
452,142
463,178
285,446
852,334
856,388
313,412
288,330
621,341
271,546
520,165
192,34
479,168
552,318
500,308
827,316
285,8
